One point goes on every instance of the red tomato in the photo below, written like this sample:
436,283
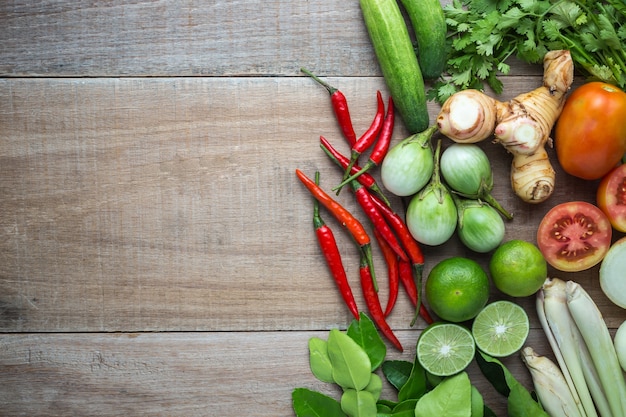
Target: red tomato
611,197
574,236
590,135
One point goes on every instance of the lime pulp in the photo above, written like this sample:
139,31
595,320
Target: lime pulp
445,349
501,328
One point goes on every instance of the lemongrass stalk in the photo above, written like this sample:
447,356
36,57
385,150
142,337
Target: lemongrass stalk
593,382
541,314
568,340
552,390
590,373
596,335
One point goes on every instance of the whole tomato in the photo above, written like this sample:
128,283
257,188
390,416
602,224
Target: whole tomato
590,135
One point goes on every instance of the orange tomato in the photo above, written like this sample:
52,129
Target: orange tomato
590,134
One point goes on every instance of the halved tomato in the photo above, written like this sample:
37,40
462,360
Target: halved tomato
574,236
611,197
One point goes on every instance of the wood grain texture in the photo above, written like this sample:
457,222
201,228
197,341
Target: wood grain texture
176,374
172,204
157,255
53,38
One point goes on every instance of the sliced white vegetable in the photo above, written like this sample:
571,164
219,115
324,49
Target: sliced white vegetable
613,273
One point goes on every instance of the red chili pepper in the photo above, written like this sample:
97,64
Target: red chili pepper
331,253
380,150
412,249
378,221
343,216
369,137
373,304
410,245
340,107
365,180
391,259
410,286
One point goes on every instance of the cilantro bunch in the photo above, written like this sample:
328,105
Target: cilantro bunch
484,34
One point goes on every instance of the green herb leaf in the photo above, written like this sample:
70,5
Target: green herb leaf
375,387
404,407
385,407
319,361
451,398
520,401
308,403
358,403
478,404
416,386
397,372
350,363
484,34
365,334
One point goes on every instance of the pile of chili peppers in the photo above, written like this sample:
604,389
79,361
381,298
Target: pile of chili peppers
402,254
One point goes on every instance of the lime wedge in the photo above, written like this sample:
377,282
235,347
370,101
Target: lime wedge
501,328
445,349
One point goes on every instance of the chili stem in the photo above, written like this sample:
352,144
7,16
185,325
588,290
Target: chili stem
368,138
342,161
340,108
380,149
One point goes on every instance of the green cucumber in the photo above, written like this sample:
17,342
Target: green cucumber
394,50
429,26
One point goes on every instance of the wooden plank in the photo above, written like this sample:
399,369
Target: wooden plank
184,38
177,374
151,204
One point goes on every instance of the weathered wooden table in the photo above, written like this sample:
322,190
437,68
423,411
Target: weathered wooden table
157,255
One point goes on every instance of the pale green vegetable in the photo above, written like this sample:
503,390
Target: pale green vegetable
569,343
590,373
431,216
408,166
553,392
620,345
350,364
598,340
480,227
612,280
466,169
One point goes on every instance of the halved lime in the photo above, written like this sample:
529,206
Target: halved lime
445,349
501,328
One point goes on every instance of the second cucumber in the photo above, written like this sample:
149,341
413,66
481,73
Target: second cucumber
429,25
396,56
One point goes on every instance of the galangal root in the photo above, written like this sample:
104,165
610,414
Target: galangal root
522,125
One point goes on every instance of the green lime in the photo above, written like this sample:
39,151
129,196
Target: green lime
501,328
445,349
518,268
457,289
